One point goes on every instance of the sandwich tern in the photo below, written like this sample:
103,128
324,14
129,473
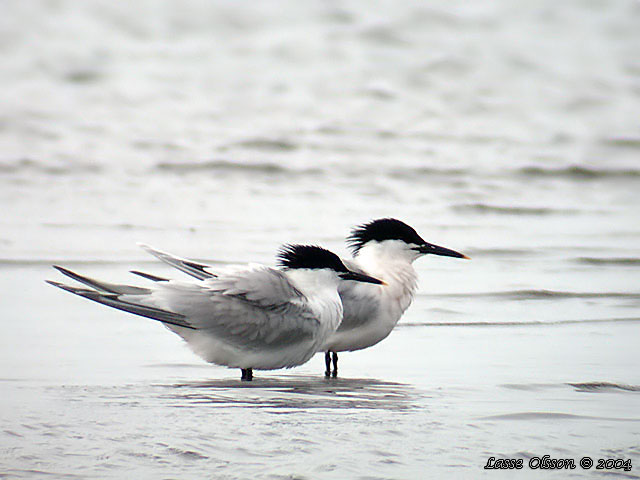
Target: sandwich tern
247,317
386,249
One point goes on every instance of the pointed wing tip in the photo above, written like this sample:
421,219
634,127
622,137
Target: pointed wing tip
148,276
62,286
150,250
66,271
70,274
146,247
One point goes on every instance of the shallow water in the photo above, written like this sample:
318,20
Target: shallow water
93,393
217,131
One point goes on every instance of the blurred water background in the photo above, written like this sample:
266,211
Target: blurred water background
508,130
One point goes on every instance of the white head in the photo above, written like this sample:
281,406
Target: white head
395,240
317,264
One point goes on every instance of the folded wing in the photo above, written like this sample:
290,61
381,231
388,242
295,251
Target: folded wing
253,307
250,307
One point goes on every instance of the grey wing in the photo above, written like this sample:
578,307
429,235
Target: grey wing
256,307
200,271
359,300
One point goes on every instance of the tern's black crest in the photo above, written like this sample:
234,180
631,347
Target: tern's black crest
309,256
380,230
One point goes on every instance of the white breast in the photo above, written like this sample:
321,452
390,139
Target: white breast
372,311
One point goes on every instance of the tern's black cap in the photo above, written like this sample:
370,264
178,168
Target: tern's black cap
309,256
380,230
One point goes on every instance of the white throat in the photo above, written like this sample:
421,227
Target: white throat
391,261
315,282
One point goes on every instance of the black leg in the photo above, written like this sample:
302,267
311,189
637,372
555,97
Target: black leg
247,374
335,364
327,362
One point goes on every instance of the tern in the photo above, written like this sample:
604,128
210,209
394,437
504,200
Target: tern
385,249
247,317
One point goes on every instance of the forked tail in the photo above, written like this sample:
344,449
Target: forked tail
121,297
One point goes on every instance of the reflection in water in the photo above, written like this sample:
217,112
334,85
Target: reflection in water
295,392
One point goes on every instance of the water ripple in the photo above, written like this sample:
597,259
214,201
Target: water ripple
28,165
604,387
576,172
266,144
618,262
484,208
536,294
227,166
554,416
519,323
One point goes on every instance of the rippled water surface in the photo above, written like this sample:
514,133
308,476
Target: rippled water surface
218,131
